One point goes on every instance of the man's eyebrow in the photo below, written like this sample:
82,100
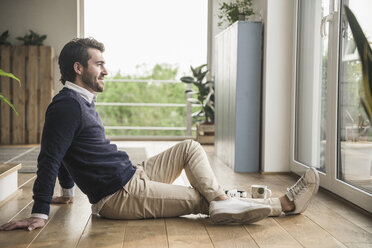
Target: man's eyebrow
100,61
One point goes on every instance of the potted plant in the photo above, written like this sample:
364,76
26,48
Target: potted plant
204,93
236,11
4,38
32,39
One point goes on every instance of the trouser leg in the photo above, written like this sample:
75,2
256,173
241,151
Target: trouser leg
190,156
149,194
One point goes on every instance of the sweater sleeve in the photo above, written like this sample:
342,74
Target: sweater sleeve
65,180
62,121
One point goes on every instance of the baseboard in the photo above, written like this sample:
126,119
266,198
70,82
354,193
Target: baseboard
276,173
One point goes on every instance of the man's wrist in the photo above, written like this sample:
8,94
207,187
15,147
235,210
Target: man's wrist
68,192
38,215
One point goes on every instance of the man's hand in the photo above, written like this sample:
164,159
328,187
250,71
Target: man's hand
29,223
62,200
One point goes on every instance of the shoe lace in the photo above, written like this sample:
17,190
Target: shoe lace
298,187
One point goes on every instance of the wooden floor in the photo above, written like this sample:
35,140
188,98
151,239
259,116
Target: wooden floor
328,222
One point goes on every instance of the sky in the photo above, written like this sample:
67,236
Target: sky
147,32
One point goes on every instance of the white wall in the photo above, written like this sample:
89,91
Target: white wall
277,84
58,19
278,65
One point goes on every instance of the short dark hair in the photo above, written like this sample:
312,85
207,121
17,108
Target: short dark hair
76,51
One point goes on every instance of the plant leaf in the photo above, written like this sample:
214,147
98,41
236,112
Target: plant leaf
365,54
6,74
3,98
193,100
188,80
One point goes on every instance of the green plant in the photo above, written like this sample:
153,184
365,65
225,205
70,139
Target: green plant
4,37
233,12
365,54
204,93
3,98
32,39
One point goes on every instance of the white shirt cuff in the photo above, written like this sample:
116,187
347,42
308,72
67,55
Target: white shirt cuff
68,192
41,216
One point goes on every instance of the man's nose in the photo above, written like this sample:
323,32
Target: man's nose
104,71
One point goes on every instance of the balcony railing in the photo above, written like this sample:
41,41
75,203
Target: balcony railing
188,128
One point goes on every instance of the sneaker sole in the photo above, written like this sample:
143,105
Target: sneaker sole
248,217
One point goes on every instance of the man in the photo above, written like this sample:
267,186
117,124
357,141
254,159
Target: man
75,149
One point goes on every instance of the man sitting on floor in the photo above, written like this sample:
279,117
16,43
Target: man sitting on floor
74,148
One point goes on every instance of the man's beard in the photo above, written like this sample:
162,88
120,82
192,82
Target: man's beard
91,82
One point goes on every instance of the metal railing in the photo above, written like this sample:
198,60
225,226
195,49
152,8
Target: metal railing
188,127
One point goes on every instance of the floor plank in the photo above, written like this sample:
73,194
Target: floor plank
22,238
342,229
145,233
268,233
101,232
307,233
187,232
68,221
24,178
229,236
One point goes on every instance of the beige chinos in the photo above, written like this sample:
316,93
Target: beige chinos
150,193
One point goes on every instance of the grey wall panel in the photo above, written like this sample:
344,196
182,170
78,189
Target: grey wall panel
238,96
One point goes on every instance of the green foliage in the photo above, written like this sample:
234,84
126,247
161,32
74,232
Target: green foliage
235,11
32,39
4,38
204,94
365,54
3,98
144,92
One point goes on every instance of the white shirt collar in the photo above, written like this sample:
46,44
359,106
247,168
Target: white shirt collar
86,94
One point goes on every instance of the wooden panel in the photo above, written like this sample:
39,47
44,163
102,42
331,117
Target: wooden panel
228,236
21,238
67,225
32,103
307,232
337,225
101,232
186,232
5,91
19,94
46,82
268,233
145,233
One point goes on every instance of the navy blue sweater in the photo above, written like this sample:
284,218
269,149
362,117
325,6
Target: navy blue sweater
74,148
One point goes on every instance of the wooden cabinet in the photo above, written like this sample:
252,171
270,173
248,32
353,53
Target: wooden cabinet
33,65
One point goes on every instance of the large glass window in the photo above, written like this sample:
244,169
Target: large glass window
355,131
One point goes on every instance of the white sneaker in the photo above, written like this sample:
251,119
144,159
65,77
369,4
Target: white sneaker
235,211
303,190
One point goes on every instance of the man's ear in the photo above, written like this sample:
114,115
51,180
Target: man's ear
78,68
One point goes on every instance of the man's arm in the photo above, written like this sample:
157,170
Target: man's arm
67,187
61,124
62,121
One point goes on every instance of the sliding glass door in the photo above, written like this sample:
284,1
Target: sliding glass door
355,130
331,131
